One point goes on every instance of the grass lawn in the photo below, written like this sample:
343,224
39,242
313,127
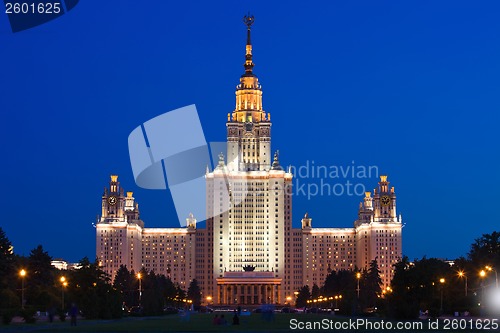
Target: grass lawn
202,323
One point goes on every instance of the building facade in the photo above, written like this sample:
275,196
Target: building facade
249,253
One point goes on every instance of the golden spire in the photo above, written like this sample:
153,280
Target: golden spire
248,20
249,91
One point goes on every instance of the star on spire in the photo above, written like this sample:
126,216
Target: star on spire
248,20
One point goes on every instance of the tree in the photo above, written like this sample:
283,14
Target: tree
342,283
339,282
169,290
41,282
124,284
486,250
89,287
416,286
371,285
315,291
194,293
41,271
6,258
152,296
303,296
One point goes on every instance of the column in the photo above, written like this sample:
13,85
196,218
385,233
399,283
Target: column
252,294
265,293
279,291
272,294
236,294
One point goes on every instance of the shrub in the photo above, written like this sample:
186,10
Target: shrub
7,315
62,315
28,315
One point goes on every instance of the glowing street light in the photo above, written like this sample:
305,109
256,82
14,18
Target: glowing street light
64,283
140,287
22,274
482,274
337,297
489,268
461,274
209,299
358,277
442,281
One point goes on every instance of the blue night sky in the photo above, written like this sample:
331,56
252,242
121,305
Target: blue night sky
410,87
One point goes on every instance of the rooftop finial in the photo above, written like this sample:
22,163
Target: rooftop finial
276,163
248,20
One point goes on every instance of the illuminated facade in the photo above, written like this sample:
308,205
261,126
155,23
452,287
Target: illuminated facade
248,253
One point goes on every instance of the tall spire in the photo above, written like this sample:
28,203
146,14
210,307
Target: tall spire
249,92
248,20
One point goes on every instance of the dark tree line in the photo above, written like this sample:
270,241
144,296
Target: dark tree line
428,285
155,291
89,287
417,287
341,291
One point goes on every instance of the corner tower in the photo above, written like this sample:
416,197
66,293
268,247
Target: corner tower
118,230
378,231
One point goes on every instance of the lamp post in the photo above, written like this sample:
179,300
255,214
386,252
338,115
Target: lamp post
22,273
442,281
337,297
461,274
496,275
140,288
209,300
482,274
358,277
64,283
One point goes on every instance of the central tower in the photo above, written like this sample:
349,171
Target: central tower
248,127
248,202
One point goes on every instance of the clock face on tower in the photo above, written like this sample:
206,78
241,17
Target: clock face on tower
112,200
385,200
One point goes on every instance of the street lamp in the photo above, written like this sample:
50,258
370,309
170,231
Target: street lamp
22,273
496,275
209,300
140,288
337,297
64,283
482,274
461,274
442,281
358,277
